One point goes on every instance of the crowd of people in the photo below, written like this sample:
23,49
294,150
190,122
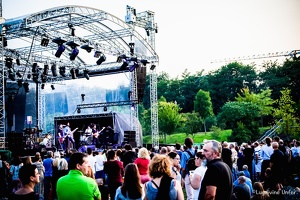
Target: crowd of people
219,170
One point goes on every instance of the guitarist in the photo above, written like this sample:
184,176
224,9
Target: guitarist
68,136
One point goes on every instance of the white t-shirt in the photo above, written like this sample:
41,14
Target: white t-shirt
100,159
92,161
199,171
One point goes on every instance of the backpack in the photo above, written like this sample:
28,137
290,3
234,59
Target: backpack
190,163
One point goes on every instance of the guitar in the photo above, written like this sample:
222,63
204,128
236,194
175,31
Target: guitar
71,133
62,138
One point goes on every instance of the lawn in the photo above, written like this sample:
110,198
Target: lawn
198,137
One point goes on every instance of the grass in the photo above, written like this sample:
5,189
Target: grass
198,137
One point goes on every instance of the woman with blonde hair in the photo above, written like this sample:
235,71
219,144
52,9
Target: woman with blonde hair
142,163
162,186
39,187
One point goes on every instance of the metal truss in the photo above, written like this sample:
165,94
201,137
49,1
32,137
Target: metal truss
100,30
146,20
107,104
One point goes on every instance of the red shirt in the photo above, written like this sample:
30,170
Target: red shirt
142,164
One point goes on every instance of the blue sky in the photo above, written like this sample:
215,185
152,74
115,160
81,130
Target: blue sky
195,32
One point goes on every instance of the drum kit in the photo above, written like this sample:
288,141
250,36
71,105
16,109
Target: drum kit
85,139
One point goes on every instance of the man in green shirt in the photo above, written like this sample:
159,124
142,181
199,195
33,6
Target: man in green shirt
76,185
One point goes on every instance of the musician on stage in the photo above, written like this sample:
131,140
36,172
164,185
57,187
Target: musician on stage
60,137
68,136
95,133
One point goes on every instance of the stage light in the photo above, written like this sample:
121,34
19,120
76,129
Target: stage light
58,41
72,44
4,42
131,46
60,50
20,83
121,58
101,60
26,86
73,73
62,71
44,42
133,64
46,68
124,65
144,62
8,62
19,74
87,47
34,68
86,74
44,78
28,76
53,69
11,74
52,87
78,110
152,67
35,77
18,62
43,86
82,97
104,108
77,72
74,53
97,54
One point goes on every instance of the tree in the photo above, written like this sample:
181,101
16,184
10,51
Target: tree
246,113
169,117
203,105
262,99
225,83
285,111
192,123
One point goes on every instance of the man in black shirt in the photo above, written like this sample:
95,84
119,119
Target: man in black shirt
227,155
217,181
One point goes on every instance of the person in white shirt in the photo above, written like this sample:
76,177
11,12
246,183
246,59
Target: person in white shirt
197,176
266,152
100,159
91,159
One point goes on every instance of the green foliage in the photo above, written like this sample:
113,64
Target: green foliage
216,132
244,112
240,134
202,104
169,117
285,111
192,123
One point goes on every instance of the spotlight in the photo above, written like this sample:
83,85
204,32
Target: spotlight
97,54
62,71
26,86
72,44
152,67
44,42
77,72
101,60
11,74
120,58
34,68
131,46
144,62
19,74
43,86
20,83
86,74
73,73
60,50
58,41
35,77
4,42
104,108
8,62
46,68
78,110
74,54
124,65
28,76
52,87
18,61
82,97
87,47
53,69
44,78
